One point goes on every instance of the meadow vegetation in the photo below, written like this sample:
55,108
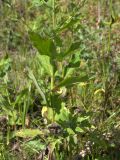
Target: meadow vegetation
59,80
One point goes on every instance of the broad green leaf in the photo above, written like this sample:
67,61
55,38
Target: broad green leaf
81,119
45,62
70,81
70,72
70,131
45,46
63,115
27,133
56,102
35,145
78,129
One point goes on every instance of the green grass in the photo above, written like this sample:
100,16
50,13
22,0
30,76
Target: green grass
59,80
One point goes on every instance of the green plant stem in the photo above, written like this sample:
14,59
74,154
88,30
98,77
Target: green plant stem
52,78
52,82
53,13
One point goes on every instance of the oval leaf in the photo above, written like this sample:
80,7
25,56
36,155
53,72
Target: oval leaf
70,81
46,64
27,133
44,46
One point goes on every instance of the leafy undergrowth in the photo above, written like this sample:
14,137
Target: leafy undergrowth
59,80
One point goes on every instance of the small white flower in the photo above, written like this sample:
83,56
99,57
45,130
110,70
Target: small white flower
83,153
